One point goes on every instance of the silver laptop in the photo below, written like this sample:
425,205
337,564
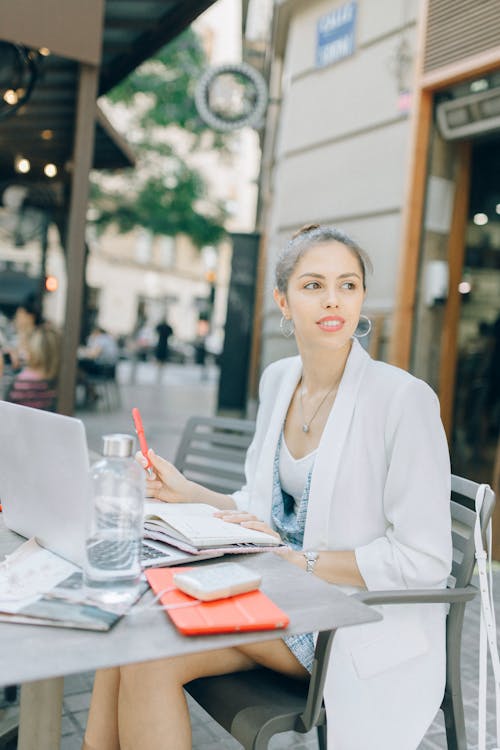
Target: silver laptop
44,468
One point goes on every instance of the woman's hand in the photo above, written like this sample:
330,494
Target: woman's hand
168,484
247,520
293,556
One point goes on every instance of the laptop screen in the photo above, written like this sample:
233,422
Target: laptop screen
44,470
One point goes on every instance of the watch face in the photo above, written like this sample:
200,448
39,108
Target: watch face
311,558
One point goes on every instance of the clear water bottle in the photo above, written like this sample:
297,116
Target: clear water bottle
112,550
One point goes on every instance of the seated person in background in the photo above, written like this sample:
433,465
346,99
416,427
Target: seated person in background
97,360
100,352
27,317
35,385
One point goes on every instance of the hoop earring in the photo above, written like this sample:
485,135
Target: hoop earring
365,333
287,327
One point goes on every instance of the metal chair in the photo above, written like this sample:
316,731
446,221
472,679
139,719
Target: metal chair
253,706
212,451
102,382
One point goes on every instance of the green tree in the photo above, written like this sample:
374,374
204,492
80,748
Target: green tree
163,194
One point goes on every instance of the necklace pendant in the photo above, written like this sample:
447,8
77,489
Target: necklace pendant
305,428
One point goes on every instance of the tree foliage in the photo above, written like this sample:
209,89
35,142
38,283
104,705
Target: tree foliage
164,193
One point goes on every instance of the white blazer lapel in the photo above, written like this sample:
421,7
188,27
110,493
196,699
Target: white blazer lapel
283,393
330,448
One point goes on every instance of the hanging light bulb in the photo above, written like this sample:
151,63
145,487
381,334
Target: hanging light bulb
10,97
22,165
480,219
50,170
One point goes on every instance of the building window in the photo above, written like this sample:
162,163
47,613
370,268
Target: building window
167,252
144,246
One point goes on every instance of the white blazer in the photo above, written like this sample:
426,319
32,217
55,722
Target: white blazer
381,487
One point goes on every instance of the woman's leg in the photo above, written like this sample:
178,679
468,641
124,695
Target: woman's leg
152,704
102,725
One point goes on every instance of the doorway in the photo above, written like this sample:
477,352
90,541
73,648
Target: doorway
476,412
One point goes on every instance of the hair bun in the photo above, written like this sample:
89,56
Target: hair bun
305,229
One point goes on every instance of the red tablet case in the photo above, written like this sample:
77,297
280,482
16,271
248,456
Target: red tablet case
251,611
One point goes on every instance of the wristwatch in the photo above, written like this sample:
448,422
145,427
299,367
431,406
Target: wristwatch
311,560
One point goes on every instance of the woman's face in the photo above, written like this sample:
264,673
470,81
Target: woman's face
324,296
23,320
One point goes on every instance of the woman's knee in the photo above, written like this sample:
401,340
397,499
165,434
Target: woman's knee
176,669
183,669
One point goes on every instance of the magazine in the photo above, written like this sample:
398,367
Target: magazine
37,587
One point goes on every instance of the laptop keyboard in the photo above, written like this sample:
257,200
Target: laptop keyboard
119,552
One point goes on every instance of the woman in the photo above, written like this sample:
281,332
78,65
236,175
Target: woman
26,320
35,385
349,462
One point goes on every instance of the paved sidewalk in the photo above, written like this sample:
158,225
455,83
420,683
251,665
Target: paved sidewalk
166,400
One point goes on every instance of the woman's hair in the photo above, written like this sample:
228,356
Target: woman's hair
44,351
309,236
31,307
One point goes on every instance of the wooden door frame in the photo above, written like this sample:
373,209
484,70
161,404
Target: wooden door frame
425,86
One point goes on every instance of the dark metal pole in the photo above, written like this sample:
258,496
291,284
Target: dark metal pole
82,162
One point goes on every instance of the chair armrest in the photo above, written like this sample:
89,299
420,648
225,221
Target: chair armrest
314,705
417,596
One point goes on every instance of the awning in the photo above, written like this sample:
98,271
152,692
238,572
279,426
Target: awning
16,288
43,129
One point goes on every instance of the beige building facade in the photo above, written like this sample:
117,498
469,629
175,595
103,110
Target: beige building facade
386,122
337,147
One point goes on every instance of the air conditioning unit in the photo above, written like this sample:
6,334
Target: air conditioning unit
469,116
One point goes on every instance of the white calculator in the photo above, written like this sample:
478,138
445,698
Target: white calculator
217,581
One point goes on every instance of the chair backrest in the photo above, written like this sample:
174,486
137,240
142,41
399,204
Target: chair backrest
463,515
212,451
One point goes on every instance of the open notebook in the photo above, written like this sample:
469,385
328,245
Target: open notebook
193,528
251,611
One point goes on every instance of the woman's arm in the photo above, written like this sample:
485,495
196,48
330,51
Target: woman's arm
335,567
170,486
416,550
338,567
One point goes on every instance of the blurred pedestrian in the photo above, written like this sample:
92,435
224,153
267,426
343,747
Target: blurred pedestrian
144,342
200,344
36,384
164,331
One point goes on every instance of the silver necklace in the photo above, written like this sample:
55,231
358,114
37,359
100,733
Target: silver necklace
306,425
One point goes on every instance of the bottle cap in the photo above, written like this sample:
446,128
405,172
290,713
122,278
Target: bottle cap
118,446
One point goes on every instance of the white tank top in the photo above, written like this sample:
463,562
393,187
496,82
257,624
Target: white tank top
293,472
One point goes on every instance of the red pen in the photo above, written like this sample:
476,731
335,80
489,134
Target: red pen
136,414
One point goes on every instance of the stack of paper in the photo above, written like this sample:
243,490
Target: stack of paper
192,527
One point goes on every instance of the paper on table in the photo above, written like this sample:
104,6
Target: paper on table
29,572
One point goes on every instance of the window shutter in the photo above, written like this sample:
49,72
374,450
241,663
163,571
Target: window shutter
457,29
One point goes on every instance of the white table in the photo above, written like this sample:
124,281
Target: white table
39,657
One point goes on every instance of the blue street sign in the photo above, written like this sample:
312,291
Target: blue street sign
336,35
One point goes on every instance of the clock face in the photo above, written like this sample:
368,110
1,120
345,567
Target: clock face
232,96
